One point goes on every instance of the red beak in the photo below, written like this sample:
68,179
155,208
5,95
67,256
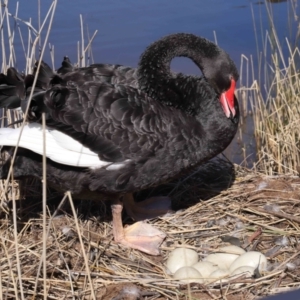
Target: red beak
227,101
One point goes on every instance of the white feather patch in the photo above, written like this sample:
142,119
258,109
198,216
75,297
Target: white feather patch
60,147
118,165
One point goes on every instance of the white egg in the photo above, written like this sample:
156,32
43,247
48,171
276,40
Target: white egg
188,274
244,270
232,249
181,257
205,268
222,260
218,274
252,259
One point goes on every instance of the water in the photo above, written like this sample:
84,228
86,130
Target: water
125,28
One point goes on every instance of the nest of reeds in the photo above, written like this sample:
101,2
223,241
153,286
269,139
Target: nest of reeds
70,252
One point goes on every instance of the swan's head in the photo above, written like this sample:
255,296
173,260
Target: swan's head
222,74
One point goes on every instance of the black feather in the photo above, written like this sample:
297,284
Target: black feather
159,124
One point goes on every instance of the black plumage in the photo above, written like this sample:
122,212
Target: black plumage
150,124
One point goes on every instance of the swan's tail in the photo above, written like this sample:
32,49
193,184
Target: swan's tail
15,87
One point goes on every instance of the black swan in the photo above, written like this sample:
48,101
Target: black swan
114,134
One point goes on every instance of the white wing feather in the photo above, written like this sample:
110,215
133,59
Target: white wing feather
60,147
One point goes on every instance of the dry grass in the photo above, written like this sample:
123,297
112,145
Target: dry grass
276,119
65,249
274,94
83,260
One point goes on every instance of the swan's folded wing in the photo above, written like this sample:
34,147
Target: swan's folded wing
114,121
114,74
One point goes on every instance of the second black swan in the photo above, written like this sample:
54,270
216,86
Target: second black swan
115,137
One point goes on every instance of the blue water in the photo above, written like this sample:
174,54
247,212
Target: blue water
125,28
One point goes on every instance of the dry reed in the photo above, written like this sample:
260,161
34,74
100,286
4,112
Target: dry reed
65,250
274,95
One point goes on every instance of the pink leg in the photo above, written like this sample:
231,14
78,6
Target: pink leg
140,236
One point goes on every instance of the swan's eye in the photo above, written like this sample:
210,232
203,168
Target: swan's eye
222,82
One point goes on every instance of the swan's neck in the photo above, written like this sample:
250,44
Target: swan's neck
154,75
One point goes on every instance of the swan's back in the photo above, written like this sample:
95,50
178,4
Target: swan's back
110,73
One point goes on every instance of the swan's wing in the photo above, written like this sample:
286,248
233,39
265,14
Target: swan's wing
59,147
117,122
114,74
67,142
